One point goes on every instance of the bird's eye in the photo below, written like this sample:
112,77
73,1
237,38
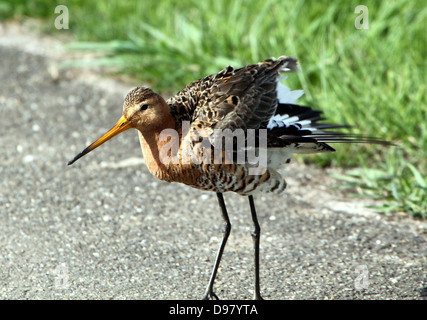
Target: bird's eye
143,107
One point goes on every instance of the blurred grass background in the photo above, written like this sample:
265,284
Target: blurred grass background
373,79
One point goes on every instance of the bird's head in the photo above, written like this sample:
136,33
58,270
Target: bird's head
143,109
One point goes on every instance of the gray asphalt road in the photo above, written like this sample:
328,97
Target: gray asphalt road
106,229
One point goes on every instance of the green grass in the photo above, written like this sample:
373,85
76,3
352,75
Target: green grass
372,79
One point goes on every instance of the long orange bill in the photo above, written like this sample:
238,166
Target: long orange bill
122,125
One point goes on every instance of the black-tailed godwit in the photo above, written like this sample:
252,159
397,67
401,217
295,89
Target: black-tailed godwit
184,139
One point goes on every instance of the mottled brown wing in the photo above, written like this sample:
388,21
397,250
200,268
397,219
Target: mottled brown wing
234,98
188,104
244,98
185,102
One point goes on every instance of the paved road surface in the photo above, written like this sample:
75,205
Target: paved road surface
106,229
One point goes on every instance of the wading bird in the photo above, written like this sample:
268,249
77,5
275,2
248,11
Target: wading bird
247,100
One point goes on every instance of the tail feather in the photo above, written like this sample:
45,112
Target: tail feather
296,125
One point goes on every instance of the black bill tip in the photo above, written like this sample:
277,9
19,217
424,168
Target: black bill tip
77,157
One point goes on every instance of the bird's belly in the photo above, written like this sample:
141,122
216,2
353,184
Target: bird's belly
228,178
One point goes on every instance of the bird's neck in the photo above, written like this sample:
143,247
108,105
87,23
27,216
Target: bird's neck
154,145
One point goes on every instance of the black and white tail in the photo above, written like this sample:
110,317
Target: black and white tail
298,128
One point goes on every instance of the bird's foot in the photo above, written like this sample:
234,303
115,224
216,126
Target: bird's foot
210,295
258,297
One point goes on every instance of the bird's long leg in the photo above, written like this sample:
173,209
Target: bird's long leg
209,294
255,236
